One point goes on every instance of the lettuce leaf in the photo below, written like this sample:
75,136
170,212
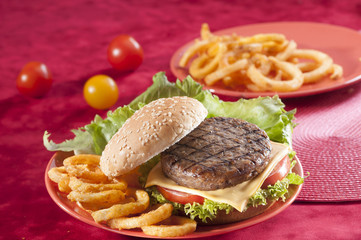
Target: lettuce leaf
266,112
93,137
277,191
205,211
209,209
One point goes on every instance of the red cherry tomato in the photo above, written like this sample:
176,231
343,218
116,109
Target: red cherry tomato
34,80
279,172
125,53
179,197
101,92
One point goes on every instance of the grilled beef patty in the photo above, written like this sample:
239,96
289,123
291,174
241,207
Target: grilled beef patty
221,152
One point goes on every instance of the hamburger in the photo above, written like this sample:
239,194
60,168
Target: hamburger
215,170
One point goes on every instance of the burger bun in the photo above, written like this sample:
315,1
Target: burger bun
149,131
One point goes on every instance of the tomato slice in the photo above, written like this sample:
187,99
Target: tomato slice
279,172
179,197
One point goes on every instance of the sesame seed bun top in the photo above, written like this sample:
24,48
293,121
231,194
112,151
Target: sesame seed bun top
150,131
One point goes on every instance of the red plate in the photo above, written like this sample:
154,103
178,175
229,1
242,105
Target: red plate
202,231
341,43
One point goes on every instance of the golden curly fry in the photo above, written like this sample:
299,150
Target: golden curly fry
264,82
89,172
60,176
163,212
92,207
197,47
82,159
111,201
226,58
174,226
81,185
204,65
287,53
85,166
122,210
323,60
57,174
337,71
63,185
307,66
211,78
108,196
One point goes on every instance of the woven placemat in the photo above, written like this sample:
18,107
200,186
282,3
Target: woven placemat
328,143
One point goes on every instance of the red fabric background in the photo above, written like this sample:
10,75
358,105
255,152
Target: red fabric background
71,37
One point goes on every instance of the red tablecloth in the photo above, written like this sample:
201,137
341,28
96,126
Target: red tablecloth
71,37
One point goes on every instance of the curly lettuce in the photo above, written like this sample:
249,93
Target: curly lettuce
208,210
93,137
266,112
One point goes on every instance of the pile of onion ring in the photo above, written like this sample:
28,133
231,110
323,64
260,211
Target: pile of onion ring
113,201
262,62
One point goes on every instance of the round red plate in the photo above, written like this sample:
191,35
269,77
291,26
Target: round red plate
202,231
341,43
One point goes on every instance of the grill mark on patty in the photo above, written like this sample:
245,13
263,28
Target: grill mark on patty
221,152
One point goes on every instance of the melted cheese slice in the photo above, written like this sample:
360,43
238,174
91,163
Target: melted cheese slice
236,196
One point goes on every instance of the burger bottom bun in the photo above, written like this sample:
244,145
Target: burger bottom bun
236,216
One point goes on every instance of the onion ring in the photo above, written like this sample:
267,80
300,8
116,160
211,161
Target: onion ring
109,196
199,69
82,186
122,210
163,212
57,174
324,68
89,172
82,159
221,73
262,81
174,226
337,71
193,50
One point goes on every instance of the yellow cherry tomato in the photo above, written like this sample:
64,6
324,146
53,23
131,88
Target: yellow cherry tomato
101,92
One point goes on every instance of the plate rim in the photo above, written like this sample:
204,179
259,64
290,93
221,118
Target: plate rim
245,94
274,210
